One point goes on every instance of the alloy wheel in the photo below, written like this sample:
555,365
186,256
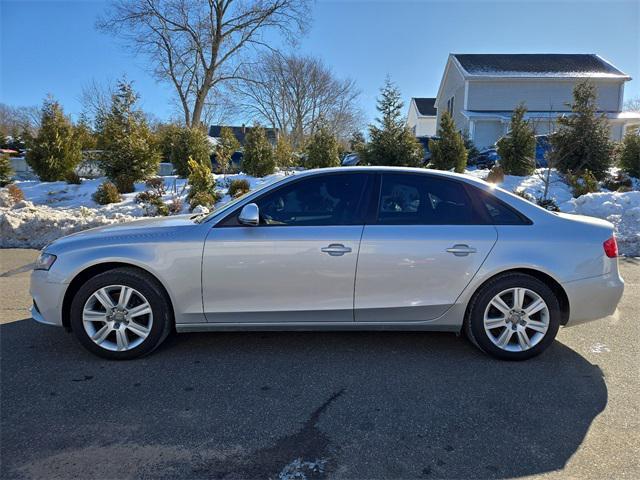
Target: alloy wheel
516,319
117,318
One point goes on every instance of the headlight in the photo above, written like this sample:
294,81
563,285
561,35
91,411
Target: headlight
44,261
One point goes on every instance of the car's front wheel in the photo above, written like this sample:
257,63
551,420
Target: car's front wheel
513,317
121,314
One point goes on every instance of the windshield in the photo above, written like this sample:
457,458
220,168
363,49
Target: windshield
229,205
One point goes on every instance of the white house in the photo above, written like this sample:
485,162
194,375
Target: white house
482,90
422,116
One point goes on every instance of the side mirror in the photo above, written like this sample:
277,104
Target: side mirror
250,214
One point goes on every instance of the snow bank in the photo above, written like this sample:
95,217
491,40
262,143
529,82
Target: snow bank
54,209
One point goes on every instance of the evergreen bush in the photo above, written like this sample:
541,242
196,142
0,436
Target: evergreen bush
258,159
107,193
448,152
322,150
517,149
630,154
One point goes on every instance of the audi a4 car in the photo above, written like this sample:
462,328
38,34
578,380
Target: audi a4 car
337,249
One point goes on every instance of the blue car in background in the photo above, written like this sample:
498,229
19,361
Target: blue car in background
488,157
424,141
543,147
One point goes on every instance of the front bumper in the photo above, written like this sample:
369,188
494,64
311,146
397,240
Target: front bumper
593,298
47,297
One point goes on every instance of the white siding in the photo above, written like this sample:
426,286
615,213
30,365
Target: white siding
538,95
421,125
453,86
486,132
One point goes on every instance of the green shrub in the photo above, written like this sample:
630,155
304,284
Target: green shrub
190,143
582,183
202,184
227,145
284,154
517,149
152,203
107,193
322,150
620,182
238,187
129,151
448,152
525,195
6,172
55,151
548,203
73,178
258,159
630,154
582,139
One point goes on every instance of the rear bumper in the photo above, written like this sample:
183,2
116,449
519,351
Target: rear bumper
593,298
47,298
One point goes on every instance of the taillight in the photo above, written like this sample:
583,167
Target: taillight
611,247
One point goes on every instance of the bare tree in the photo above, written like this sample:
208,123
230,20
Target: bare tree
96,99
16,121
632,105
197,45
297,94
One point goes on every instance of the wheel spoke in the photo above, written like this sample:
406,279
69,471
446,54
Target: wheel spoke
121,338
498,303
504,337
537,326
140,310
491,323
101,334
137,329
125,296
518,298
103,297
523,339
535,307
93,316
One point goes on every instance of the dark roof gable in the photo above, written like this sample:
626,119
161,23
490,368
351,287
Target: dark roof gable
537,64
426,106
241,132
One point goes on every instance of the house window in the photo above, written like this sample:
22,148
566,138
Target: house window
450,105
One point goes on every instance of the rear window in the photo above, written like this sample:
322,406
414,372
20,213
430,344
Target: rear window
500,213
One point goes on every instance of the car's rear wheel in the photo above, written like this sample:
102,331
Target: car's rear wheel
121,314
513,317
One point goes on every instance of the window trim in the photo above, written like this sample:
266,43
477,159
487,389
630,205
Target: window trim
361,210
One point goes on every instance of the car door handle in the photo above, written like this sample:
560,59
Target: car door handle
336,249
461,250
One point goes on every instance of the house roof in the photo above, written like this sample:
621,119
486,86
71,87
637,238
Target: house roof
425,106
241,132
537,65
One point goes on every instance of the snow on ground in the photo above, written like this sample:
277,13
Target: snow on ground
55,209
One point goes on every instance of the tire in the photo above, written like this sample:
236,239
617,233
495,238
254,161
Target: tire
132,328
485,310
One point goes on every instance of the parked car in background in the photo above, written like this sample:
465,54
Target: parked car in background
487,158
434,251
543,147
350,160
424,141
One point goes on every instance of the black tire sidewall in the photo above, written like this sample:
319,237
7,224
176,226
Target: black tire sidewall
143,283
491,289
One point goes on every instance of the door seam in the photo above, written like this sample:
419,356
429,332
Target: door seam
355,276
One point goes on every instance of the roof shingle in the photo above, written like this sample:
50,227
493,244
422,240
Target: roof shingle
538,64
426,106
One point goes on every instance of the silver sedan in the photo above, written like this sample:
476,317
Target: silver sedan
358,248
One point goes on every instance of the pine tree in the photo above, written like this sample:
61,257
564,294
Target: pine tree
227,145
630,154
84,134
322,150
284,154
517,149
448,152
166,139
258,159
582,140
129,153
54,152
6,172
357,141
392,142
190,143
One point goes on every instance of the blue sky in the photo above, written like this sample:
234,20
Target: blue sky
53,47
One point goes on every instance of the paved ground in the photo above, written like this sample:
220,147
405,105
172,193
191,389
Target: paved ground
332,405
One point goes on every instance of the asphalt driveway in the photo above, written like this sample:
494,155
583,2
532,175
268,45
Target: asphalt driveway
328,405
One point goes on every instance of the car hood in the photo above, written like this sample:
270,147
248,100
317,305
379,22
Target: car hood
146,228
